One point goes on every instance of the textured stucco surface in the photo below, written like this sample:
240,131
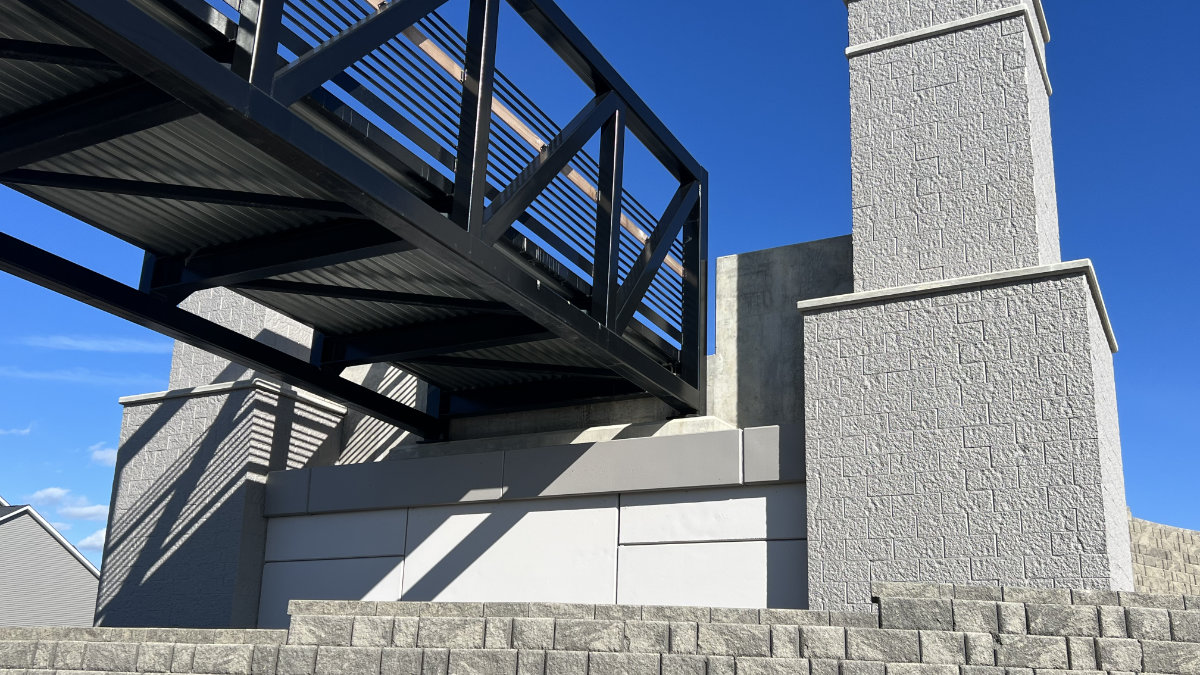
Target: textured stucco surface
194,367
186,528
964,437
1165,559
952,173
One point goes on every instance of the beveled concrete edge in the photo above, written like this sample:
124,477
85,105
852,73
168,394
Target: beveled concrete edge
237,385
992,279
286,503
964,24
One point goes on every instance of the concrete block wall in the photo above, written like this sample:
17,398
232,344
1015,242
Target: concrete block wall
186,529
964,435
1165,559
911,629
952,167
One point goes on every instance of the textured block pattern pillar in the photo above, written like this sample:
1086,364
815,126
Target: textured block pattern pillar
186,532
953,173
965,436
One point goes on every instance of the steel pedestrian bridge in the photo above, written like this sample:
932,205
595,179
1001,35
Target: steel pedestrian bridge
365,169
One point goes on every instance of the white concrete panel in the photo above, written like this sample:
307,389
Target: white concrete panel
739,513
560,550
353,579
337,535
717,574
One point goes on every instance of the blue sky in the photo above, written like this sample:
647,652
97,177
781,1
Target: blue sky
758,92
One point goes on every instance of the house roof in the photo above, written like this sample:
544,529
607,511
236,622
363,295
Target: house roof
8,512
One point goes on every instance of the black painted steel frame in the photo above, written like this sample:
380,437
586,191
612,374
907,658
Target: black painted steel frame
251,96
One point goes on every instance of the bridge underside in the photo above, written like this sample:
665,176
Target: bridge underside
187,131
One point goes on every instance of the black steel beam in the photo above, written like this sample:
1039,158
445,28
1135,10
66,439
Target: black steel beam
475,115
513,366
406,343
375,295
82,120
607,247
311,247
60,55
537,395
654,252
508,206
341,51
187,193
146,47
572,46
75,281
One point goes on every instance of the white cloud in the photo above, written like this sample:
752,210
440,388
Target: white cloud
92,542
67,505
48,496
61,527
82,512
17,432
80,376
102,455
110,345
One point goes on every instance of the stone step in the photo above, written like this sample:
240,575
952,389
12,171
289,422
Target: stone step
558,610
1015,652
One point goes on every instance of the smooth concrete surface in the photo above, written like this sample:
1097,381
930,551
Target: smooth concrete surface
357,578
713,458
337,535
720,574
429,480
755,376
758,512
709,459
772,454
589,549
563,551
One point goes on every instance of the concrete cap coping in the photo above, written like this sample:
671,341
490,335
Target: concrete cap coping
991,279
237,385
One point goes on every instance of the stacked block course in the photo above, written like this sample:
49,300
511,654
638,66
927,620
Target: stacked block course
1165,559
912,629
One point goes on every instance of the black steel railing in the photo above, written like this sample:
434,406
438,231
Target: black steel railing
507,167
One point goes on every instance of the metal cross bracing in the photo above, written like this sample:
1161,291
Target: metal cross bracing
365,169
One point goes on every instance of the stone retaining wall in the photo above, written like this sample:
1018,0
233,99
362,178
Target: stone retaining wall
915,629
1165,559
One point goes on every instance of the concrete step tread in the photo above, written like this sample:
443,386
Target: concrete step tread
1047,596
173,635
557,610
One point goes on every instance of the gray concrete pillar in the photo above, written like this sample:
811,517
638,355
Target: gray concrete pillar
953,173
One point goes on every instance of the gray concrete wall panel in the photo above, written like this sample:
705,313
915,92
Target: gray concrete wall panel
755,374
714,514
720,574
359,578
560,550
694,460
956,437
774,453
429,480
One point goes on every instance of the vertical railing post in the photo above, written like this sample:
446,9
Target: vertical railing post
475,118
693,350
608,218
259,30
